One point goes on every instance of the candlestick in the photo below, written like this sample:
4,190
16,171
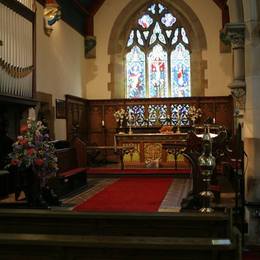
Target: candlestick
178,122
130,122
129,115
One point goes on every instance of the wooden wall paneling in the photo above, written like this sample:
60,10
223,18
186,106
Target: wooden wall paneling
95,135
94,139
83,123
99,126
110,121
220,108
77,117
103,125
102,122
95,117
224,114
208,110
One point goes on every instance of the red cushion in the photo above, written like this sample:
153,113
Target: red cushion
214,187
72,172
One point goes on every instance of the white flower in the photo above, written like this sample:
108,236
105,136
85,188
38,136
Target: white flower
194,113
120,114
39,123
38,133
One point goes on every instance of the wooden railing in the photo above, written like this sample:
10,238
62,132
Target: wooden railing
66,235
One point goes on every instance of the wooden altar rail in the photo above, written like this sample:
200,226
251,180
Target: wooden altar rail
120,150
66,235
94,121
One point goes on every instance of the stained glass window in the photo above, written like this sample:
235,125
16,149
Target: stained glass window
168,20
145,21
157,67
157,55
135,61
180,71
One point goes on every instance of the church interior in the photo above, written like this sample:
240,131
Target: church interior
129,129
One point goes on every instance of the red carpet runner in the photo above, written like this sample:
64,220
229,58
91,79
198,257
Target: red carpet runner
129,195
139,171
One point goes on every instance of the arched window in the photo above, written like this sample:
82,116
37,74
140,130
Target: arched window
157,56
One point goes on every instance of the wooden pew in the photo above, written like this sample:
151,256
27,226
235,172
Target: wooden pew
68,235
71,175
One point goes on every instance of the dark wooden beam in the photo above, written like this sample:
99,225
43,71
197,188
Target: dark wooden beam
19,8
81,7
8,99
222,4
89,11
95,5
93,8
90,25
42,2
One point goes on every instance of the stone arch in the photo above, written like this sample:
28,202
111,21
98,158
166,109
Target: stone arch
120,31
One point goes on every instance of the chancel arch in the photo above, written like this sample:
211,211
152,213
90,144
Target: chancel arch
117,48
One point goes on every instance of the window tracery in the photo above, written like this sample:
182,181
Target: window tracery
157,56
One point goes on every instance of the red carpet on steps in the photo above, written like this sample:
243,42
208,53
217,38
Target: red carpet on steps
129,195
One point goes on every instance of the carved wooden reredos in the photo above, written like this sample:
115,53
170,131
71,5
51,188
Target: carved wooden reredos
94,121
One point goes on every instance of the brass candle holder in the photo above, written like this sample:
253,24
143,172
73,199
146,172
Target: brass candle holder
207,163
130,121
178,122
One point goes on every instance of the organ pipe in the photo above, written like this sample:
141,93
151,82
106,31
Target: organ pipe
16,51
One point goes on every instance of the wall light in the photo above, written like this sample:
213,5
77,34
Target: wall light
51,14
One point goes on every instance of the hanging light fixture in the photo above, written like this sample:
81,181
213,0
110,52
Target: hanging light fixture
51,15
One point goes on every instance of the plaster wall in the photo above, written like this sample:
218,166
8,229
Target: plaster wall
60,64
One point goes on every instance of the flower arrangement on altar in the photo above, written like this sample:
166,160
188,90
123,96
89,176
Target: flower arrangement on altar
194,113
120,114
166,129
33,150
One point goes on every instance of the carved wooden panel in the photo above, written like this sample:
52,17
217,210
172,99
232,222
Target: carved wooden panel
77,117
110,122
98,125
224,112
95,117
152,151
134,156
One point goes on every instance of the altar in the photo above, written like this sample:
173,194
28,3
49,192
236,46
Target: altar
150,149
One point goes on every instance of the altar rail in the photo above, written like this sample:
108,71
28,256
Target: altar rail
65,235
94,121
